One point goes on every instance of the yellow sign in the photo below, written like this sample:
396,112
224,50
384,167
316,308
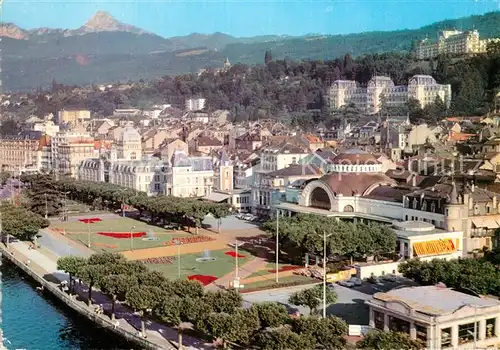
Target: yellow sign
341,275
440,246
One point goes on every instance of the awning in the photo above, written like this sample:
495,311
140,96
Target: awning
441,246
216,197
485,222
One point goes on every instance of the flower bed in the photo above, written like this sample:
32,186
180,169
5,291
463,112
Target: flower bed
161,260
122,234
233,254
286,268
189,240
274,286
90,221
204,279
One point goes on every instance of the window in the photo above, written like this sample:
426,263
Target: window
433,207
467,332
399,325
476,209
378,320
446,337
490,328
421,332
415,204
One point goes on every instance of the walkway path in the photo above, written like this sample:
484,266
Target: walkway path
244,271
159,334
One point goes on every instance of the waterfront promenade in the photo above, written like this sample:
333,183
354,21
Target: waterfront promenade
45,265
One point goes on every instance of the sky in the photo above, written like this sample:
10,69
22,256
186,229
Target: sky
246,18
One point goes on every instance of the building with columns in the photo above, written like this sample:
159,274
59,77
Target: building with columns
440,317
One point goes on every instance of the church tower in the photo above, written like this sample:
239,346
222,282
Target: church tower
226,182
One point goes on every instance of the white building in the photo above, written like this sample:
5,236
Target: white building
440,317
423,88
146,175
195,104
189,176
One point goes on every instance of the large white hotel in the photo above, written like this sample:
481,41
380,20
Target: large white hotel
423,88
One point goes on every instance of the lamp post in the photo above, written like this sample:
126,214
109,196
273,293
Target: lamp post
132,238
88,233
325,236
277,244
236,272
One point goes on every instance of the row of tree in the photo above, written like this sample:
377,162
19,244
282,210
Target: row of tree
478,275
184,304
304,233
47,194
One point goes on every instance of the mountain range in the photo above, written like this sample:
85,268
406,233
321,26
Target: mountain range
105,50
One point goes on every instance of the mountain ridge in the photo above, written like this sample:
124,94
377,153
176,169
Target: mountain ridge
107,50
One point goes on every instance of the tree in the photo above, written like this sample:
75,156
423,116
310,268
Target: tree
284,338
44,198
171,312
378,340
90,274
21,223
312,298
143,299
71,265
9,127
115,285
223,300
328,333
268,57
271,314
236,327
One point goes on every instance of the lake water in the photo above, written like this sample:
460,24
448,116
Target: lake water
35,321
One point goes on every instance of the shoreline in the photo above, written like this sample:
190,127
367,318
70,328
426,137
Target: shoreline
76,306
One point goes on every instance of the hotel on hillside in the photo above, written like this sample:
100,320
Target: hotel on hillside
423,88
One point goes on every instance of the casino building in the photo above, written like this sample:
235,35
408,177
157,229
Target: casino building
358,190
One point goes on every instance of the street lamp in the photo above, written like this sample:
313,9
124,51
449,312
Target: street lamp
325,236
46,208
88,233
131,238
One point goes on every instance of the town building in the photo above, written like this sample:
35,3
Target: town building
23,152
453,42
381,90
73,117
442,318
145,175
129,144
195,104
189,176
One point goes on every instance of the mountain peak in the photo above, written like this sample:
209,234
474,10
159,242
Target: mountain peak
102,21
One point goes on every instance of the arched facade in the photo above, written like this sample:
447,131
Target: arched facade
320,199
348,209
307,194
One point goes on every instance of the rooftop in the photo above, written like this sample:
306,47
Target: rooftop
435,300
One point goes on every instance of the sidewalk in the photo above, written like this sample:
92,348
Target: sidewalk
244,271
156,333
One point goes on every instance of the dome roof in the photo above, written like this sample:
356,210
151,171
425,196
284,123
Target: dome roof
355,157
349,184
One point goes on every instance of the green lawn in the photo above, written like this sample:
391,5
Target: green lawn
223,265
78,231
271,283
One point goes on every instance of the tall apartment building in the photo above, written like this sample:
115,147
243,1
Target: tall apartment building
73,116
22,151
69,149
195,104
452,42
423,88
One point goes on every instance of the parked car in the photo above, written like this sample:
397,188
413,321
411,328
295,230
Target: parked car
390,278
347,284
373,279
330,286
356,281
